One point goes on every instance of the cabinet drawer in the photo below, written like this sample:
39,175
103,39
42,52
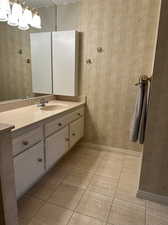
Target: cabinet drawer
54,125
28,167
75,115
27,140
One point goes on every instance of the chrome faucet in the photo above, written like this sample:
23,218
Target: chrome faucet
42,103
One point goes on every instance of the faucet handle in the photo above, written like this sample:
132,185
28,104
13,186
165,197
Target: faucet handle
43,101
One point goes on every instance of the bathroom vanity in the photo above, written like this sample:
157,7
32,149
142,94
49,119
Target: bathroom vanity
41,137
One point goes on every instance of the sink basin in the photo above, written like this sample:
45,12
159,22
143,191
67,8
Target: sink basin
53,107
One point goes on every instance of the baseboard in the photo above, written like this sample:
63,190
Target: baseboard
109,149
152,197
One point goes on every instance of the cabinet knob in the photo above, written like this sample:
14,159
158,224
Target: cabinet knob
60,124
25,143
73,134
67,139
40,160
79,114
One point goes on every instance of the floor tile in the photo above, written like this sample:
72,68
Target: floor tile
23,221
78,219
94,205
130,197
58,173
66,196
85,162
128,182
103,185
52,215
124,213
54,177
79,179
88,151
36,222
157,209
28,207
112,156
152,219
132,162
109,169
42,190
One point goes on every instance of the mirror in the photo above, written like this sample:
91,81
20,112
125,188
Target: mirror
15,50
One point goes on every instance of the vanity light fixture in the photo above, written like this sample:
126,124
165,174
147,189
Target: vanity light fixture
15,13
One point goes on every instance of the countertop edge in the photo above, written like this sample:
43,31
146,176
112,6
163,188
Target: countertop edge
15,131
4,128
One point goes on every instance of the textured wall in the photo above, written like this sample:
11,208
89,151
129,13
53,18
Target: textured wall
68,16
126,30
15,73
155,159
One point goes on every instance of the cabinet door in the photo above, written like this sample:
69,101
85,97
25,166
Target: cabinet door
65,62
41,62
56,146
29,167
76,131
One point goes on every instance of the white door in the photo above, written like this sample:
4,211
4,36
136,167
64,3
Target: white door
41,62
76,131
29,167
65,62
56,146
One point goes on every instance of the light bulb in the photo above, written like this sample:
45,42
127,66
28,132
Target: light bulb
36,21
5,6
28,15
24,19
23,23
15,15
3,16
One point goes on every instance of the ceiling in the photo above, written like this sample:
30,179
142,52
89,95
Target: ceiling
47,3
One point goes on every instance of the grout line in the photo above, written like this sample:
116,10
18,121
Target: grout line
70,218
145,212
115,190
36,210
82,214
83,193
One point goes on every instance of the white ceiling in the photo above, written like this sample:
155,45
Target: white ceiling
47,3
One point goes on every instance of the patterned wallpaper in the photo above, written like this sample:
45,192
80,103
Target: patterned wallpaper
15,73
126,31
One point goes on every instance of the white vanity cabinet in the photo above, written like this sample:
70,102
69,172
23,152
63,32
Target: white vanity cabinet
56,147
39,147
29,167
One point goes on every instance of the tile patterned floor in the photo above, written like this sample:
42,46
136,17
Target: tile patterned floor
89,187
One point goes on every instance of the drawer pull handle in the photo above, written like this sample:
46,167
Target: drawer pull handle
60,124
67,139
40,160
73,134
25,143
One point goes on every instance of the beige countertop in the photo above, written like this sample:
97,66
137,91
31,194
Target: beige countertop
25,116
